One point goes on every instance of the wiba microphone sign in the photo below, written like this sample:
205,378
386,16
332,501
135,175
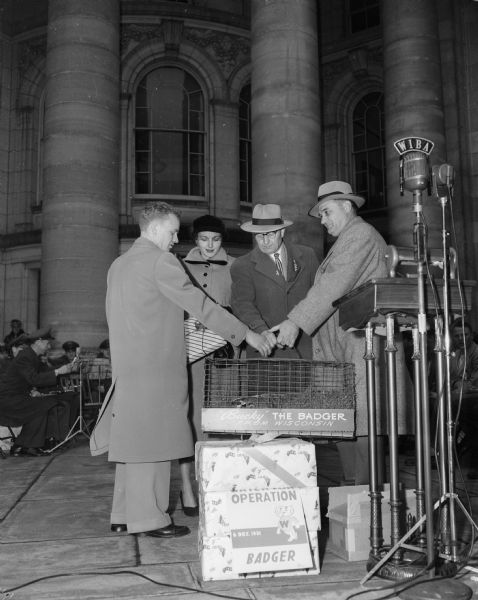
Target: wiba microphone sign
414,144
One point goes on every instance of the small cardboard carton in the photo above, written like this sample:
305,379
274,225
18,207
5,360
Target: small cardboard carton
349,519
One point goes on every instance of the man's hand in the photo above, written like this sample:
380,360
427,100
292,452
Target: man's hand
67,369
288,332
260,342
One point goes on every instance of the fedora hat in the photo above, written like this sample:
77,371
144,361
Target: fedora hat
335,190
265,218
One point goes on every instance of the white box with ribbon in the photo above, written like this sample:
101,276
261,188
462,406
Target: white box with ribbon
259,508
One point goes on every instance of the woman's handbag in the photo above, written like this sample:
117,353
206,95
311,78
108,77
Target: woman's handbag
200,341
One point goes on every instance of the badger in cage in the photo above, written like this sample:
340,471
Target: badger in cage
278,383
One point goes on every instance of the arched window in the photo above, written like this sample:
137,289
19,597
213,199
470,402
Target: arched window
369,150
245,184
169,134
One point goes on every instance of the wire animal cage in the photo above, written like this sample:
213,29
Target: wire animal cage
285,396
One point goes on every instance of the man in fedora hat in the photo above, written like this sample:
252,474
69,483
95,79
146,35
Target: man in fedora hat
24,401
357,256
271,279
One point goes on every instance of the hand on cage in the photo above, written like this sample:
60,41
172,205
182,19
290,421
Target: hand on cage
287,333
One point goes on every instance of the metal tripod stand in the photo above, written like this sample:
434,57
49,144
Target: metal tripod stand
79,427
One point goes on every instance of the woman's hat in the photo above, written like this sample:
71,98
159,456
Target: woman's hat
208,223
335,190
265,218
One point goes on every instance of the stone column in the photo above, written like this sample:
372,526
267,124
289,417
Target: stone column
81,166
413,106
285,111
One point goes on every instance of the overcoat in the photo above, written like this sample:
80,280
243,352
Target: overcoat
261,297
148,292
357,256
215,279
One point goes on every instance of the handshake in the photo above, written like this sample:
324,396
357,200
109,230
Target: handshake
265,342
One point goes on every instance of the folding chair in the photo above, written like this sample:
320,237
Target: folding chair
11,436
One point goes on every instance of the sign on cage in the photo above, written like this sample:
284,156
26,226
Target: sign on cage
279,395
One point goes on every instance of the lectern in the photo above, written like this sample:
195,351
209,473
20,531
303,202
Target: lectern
390,302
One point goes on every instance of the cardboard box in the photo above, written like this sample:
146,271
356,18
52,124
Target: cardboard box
349,519
214,517
215,554
236,465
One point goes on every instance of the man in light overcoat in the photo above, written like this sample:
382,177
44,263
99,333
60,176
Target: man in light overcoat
143,422
357,256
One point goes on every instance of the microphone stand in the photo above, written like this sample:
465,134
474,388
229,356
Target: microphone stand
432,588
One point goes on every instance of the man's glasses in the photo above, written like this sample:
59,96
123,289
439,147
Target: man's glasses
270,235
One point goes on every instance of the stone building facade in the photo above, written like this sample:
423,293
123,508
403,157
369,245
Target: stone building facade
214,105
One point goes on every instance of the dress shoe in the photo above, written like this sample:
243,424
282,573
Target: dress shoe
169,531
118,527
50,443
22,451
189,511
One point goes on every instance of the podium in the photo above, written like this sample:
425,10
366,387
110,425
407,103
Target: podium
377,298
390,302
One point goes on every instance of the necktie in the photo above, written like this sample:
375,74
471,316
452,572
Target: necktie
280,270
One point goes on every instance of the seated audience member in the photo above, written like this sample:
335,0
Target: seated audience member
4,358
464,357
99,371
69,348
464,380
28,398
15,331
104,350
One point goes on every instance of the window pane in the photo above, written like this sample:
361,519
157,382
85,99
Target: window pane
142,140
245,144
169,104
142,161
363,14
195,121
369,150
142,117
142,184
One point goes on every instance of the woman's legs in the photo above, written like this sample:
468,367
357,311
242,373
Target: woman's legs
189,498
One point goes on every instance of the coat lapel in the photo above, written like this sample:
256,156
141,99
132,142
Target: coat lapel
265,266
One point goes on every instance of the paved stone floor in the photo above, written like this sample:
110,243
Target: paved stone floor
55,541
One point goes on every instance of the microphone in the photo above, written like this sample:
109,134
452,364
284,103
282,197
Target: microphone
443,177
446,174
415,171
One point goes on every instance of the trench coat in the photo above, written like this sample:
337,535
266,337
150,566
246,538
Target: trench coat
144,416
357,256
261,298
